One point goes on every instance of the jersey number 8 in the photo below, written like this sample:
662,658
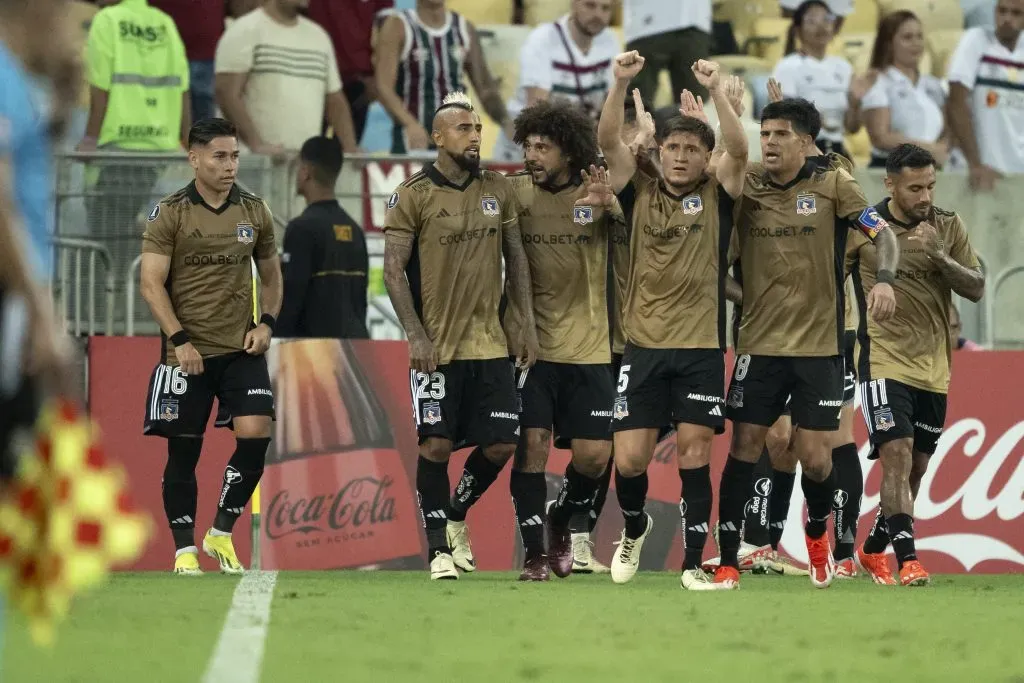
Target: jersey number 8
435,382
742,365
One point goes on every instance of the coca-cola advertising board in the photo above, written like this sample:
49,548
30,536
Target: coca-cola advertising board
339,487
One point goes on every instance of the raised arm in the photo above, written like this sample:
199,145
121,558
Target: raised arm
732,166
621,162
483,81
956,261
389,44
517,272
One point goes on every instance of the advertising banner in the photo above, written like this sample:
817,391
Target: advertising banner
339,487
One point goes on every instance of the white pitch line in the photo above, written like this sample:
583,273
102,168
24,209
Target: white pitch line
238,657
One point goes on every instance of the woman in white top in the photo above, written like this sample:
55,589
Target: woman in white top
904,105
825,80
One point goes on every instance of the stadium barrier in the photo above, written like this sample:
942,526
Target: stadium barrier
339,488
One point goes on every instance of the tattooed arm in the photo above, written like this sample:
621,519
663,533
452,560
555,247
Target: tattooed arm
733,291
397,252
888,251
517,273
967,282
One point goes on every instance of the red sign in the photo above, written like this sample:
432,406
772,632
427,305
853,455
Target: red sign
339,489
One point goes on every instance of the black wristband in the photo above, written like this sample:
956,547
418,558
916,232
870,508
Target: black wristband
180,338
885,277
269,321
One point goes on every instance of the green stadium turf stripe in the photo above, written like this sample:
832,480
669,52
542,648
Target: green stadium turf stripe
239,653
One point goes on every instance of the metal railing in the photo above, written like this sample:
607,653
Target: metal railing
73,250
129,305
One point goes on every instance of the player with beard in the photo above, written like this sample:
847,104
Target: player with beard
674,313
446,229
568,393
904,364
793,223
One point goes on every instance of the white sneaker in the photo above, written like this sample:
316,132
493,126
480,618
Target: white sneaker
458,541
626,559
442,567
583,560
696,580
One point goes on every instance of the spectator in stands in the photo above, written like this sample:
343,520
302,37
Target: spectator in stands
671,35
825,80
986,100
276,76
904,105
350,24
420,56
569,59
324,262
138,102
958,342
840,9
201,24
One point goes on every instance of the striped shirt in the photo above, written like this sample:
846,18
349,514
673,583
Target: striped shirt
995,76
430,66
291,70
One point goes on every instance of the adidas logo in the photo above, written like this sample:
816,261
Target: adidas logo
443,213
716,411
535,520
195,234
182,520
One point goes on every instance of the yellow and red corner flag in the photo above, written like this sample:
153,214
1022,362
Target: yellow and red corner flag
65,519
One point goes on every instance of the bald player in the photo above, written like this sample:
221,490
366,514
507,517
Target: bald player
673,367
904,363
446,230
792,230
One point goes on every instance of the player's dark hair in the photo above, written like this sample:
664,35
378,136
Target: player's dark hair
566,125
908,156
324,157
688,124
798,20
203,132
888,27
803,115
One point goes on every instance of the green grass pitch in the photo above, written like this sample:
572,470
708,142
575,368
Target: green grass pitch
399,626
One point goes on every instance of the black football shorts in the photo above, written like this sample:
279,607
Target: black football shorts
179,404
813,386
468,402
576,400
894,410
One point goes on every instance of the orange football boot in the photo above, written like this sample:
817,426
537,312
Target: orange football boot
913,574
876,565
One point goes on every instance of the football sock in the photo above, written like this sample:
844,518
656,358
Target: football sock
732,495
575,497
901,530
819,503
477,476
529,490
778,505
695,511
241,477
878,539
432,490
755,521
602,495
180,489
632,494
846,498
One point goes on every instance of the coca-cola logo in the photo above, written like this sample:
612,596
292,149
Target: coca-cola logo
970,498
360,504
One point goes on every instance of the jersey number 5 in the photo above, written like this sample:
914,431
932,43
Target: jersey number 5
623,378
430,385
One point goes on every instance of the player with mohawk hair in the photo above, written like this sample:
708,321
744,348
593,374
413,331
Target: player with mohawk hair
446,230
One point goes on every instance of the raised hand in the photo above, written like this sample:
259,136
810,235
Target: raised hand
708,73
860,85
627,65
734,89
645,130
599,188
774,90
692,106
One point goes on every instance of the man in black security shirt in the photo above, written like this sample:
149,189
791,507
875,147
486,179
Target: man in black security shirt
324,262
